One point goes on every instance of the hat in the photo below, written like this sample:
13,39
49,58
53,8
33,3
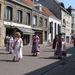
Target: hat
35,33
59,34
18,33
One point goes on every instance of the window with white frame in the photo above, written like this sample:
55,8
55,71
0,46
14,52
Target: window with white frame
72,31
72,25
63,13
8,13
19,16
72,11
59,29
73,19
28,18
64,21
40,21
45,23
34,20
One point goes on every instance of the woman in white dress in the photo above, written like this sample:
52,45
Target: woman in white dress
10,44
17,47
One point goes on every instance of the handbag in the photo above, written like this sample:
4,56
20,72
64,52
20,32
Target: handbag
63,53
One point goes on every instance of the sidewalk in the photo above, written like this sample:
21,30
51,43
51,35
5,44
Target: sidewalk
2,48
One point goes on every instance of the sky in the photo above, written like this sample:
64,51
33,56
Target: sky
67,3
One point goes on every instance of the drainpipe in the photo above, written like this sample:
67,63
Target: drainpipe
31,25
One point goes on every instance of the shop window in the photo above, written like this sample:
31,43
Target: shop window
19,16
8,13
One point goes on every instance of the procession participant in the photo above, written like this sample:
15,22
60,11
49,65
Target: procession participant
63,47
35,45
58,48
17,47
10,44
5,40
54,42
7,43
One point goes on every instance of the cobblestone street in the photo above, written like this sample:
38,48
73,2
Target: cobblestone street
31,65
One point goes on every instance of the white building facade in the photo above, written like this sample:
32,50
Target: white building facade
55,27
66,25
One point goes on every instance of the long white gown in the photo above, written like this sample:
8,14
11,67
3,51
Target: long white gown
18,48
9,44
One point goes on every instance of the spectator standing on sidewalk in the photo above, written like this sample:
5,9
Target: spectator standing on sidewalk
17,47
35,45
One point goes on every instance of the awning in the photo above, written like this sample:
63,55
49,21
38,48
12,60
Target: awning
26,30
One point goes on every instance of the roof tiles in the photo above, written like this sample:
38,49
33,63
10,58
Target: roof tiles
44,9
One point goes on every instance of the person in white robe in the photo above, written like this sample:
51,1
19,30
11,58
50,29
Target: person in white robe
17,47
9,44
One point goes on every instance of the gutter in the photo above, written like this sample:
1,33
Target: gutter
55,18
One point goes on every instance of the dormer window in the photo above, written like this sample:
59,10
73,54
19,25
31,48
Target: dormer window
38,7
34,0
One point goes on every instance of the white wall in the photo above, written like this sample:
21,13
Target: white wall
54,20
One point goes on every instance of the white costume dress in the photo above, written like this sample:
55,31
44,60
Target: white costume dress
9,44
18,44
